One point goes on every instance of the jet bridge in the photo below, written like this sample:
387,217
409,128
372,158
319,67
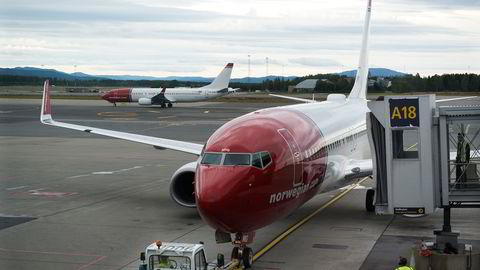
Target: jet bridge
425,157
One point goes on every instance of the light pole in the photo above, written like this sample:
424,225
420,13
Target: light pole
266,73
248,76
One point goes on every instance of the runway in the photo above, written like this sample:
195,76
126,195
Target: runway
70,200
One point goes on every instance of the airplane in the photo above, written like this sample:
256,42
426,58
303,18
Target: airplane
260,167
167,96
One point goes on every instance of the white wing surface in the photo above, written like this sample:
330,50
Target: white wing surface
295,98
159,143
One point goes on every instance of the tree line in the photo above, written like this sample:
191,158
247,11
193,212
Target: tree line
327,83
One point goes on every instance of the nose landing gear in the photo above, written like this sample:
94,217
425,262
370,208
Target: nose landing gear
240,251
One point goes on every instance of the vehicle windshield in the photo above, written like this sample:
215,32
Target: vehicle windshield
161,262
259,160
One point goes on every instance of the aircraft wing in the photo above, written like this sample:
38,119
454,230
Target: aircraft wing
160,98
158,143
295,98
450,99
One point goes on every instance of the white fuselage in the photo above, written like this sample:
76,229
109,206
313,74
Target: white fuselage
180,94
343,125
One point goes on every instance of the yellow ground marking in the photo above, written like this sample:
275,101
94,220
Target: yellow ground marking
297,225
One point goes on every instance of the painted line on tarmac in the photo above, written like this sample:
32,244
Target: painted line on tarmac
300,223
117,114
15,188
106,172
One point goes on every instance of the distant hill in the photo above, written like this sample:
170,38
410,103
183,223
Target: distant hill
375,72
52,73
46,73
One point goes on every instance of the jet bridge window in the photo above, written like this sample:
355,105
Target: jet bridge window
405,143
212,159
237,159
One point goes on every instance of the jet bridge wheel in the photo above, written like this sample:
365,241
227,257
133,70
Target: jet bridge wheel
369,200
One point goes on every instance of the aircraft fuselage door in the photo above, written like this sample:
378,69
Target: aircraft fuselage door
296,155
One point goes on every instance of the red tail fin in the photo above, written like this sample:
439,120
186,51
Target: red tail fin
47,102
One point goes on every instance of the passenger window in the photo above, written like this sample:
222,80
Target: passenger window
256,160
237,159
266,159
212,158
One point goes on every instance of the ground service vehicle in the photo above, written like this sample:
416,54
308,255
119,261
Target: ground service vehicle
163,255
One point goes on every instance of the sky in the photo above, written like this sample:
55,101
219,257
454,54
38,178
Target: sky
199,37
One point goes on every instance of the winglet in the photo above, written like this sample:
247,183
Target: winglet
46,113
359,89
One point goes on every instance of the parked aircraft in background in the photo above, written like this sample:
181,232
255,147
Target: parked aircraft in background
166,96
260,167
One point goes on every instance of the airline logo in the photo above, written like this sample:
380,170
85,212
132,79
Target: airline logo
292,193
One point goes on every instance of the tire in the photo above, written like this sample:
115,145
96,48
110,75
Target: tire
235,253
369,200
163,105
170,105
247,257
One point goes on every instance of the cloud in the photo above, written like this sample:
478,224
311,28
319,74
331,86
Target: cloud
174,36
314,62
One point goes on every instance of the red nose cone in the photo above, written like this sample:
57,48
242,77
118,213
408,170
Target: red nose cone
118,95
225,204
244,198
106,96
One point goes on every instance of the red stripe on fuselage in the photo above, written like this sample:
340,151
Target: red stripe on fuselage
245,198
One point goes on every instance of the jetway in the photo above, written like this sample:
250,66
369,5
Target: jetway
425,157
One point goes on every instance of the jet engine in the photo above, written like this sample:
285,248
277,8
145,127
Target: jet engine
145,101
182,186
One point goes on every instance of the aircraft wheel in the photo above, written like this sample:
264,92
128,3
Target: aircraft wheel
369,200
170,105
163,105
235,253
247,257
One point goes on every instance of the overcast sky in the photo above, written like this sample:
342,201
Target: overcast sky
198,37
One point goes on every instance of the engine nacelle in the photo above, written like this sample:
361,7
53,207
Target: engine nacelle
145,101
182,186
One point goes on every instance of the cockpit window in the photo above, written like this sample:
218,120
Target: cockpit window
212,158
237,159
266,159
256,160
259,160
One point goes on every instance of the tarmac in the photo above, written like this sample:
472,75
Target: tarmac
70,200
